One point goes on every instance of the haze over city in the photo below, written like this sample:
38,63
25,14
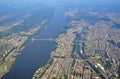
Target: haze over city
59,39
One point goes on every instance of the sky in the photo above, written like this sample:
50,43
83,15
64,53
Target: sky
52,2
59,2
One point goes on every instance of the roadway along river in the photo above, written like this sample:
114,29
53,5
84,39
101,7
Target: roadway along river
37,53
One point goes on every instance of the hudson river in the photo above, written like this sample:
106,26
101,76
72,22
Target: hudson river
37,53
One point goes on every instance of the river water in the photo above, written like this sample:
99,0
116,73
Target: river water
37,53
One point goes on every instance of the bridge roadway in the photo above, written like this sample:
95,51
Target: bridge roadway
48,39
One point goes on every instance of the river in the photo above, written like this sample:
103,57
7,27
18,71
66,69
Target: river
37,53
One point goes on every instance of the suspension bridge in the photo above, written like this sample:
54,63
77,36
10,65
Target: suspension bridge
48,39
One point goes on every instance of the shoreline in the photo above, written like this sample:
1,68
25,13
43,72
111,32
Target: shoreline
65,57
16,51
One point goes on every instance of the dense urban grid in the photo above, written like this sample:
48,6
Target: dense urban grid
87,48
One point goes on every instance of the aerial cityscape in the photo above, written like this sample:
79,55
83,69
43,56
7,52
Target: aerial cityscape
60,39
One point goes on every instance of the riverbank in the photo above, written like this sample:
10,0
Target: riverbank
10,57
66,62
37,51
